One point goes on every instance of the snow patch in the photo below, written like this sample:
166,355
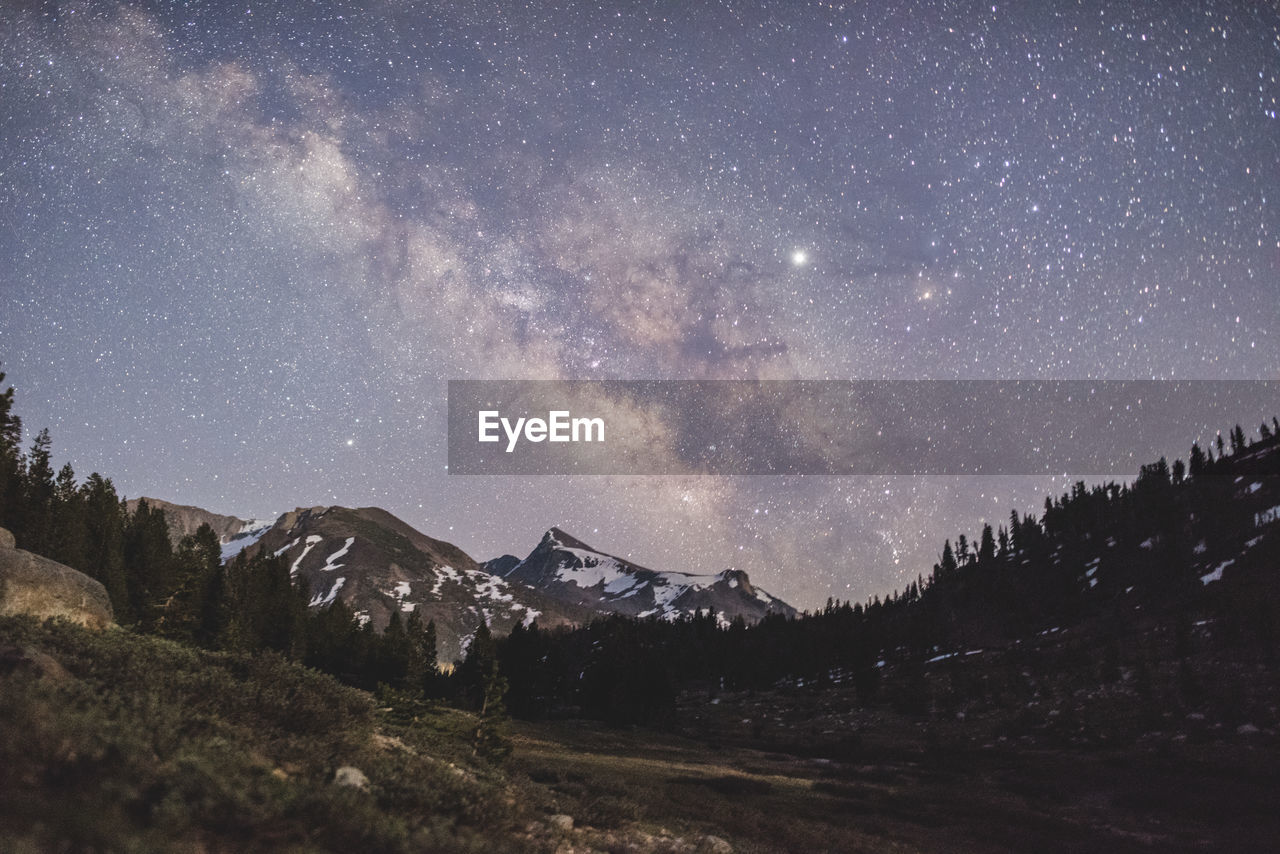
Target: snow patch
1216,575
311,544
241,541
322,601
624,586
443,574
329,561
1266,516
284,549
587,569
489,587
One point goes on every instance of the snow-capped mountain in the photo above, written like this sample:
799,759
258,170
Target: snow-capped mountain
569,570
376,564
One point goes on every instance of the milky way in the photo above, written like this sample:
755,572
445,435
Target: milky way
244,247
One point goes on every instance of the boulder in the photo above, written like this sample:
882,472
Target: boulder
35,585
349,775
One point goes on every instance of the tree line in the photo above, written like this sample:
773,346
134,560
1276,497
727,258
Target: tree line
1007,582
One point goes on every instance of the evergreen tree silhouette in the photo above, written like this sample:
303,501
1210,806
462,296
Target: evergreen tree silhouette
987,546
35,532
10,452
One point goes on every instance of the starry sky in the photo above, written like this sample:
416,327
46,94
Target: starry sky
244,246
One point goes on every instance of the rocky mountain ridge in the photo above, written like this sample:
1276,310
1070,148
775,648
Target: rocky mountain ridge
571,571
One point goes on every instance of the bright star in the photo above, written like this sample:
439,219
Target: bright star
799,258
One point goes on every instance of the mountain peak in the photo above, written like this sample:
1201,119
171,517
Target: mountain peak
557,536
737,578
573,572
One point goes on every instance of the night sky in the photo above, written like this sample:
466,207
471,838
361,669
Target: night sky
243,247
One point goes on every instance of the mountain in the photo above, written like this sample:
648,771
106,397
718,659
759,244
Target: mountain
185,519
570,571
376,564
501,565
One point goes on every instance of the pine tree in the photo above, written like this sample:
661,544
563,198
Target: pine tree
1198,463
987,545
10,453
396,652
197,559
104,519
35,530
491,740
483,679
70,527
947,565
1237,440
149,561
421,672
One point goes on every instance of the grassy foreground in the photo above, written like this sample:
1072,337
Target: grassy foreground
111,741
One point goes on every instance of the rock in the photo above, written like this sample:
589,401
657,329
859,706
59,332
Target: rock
563,823
6,539
35,585
349,775
715,845
33,661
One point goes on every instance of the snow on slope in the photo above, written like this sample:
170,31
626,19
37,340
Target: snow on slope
329,564
250,533
311,543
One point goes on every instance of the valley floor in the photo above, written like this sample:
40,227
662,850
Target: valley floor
901,795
